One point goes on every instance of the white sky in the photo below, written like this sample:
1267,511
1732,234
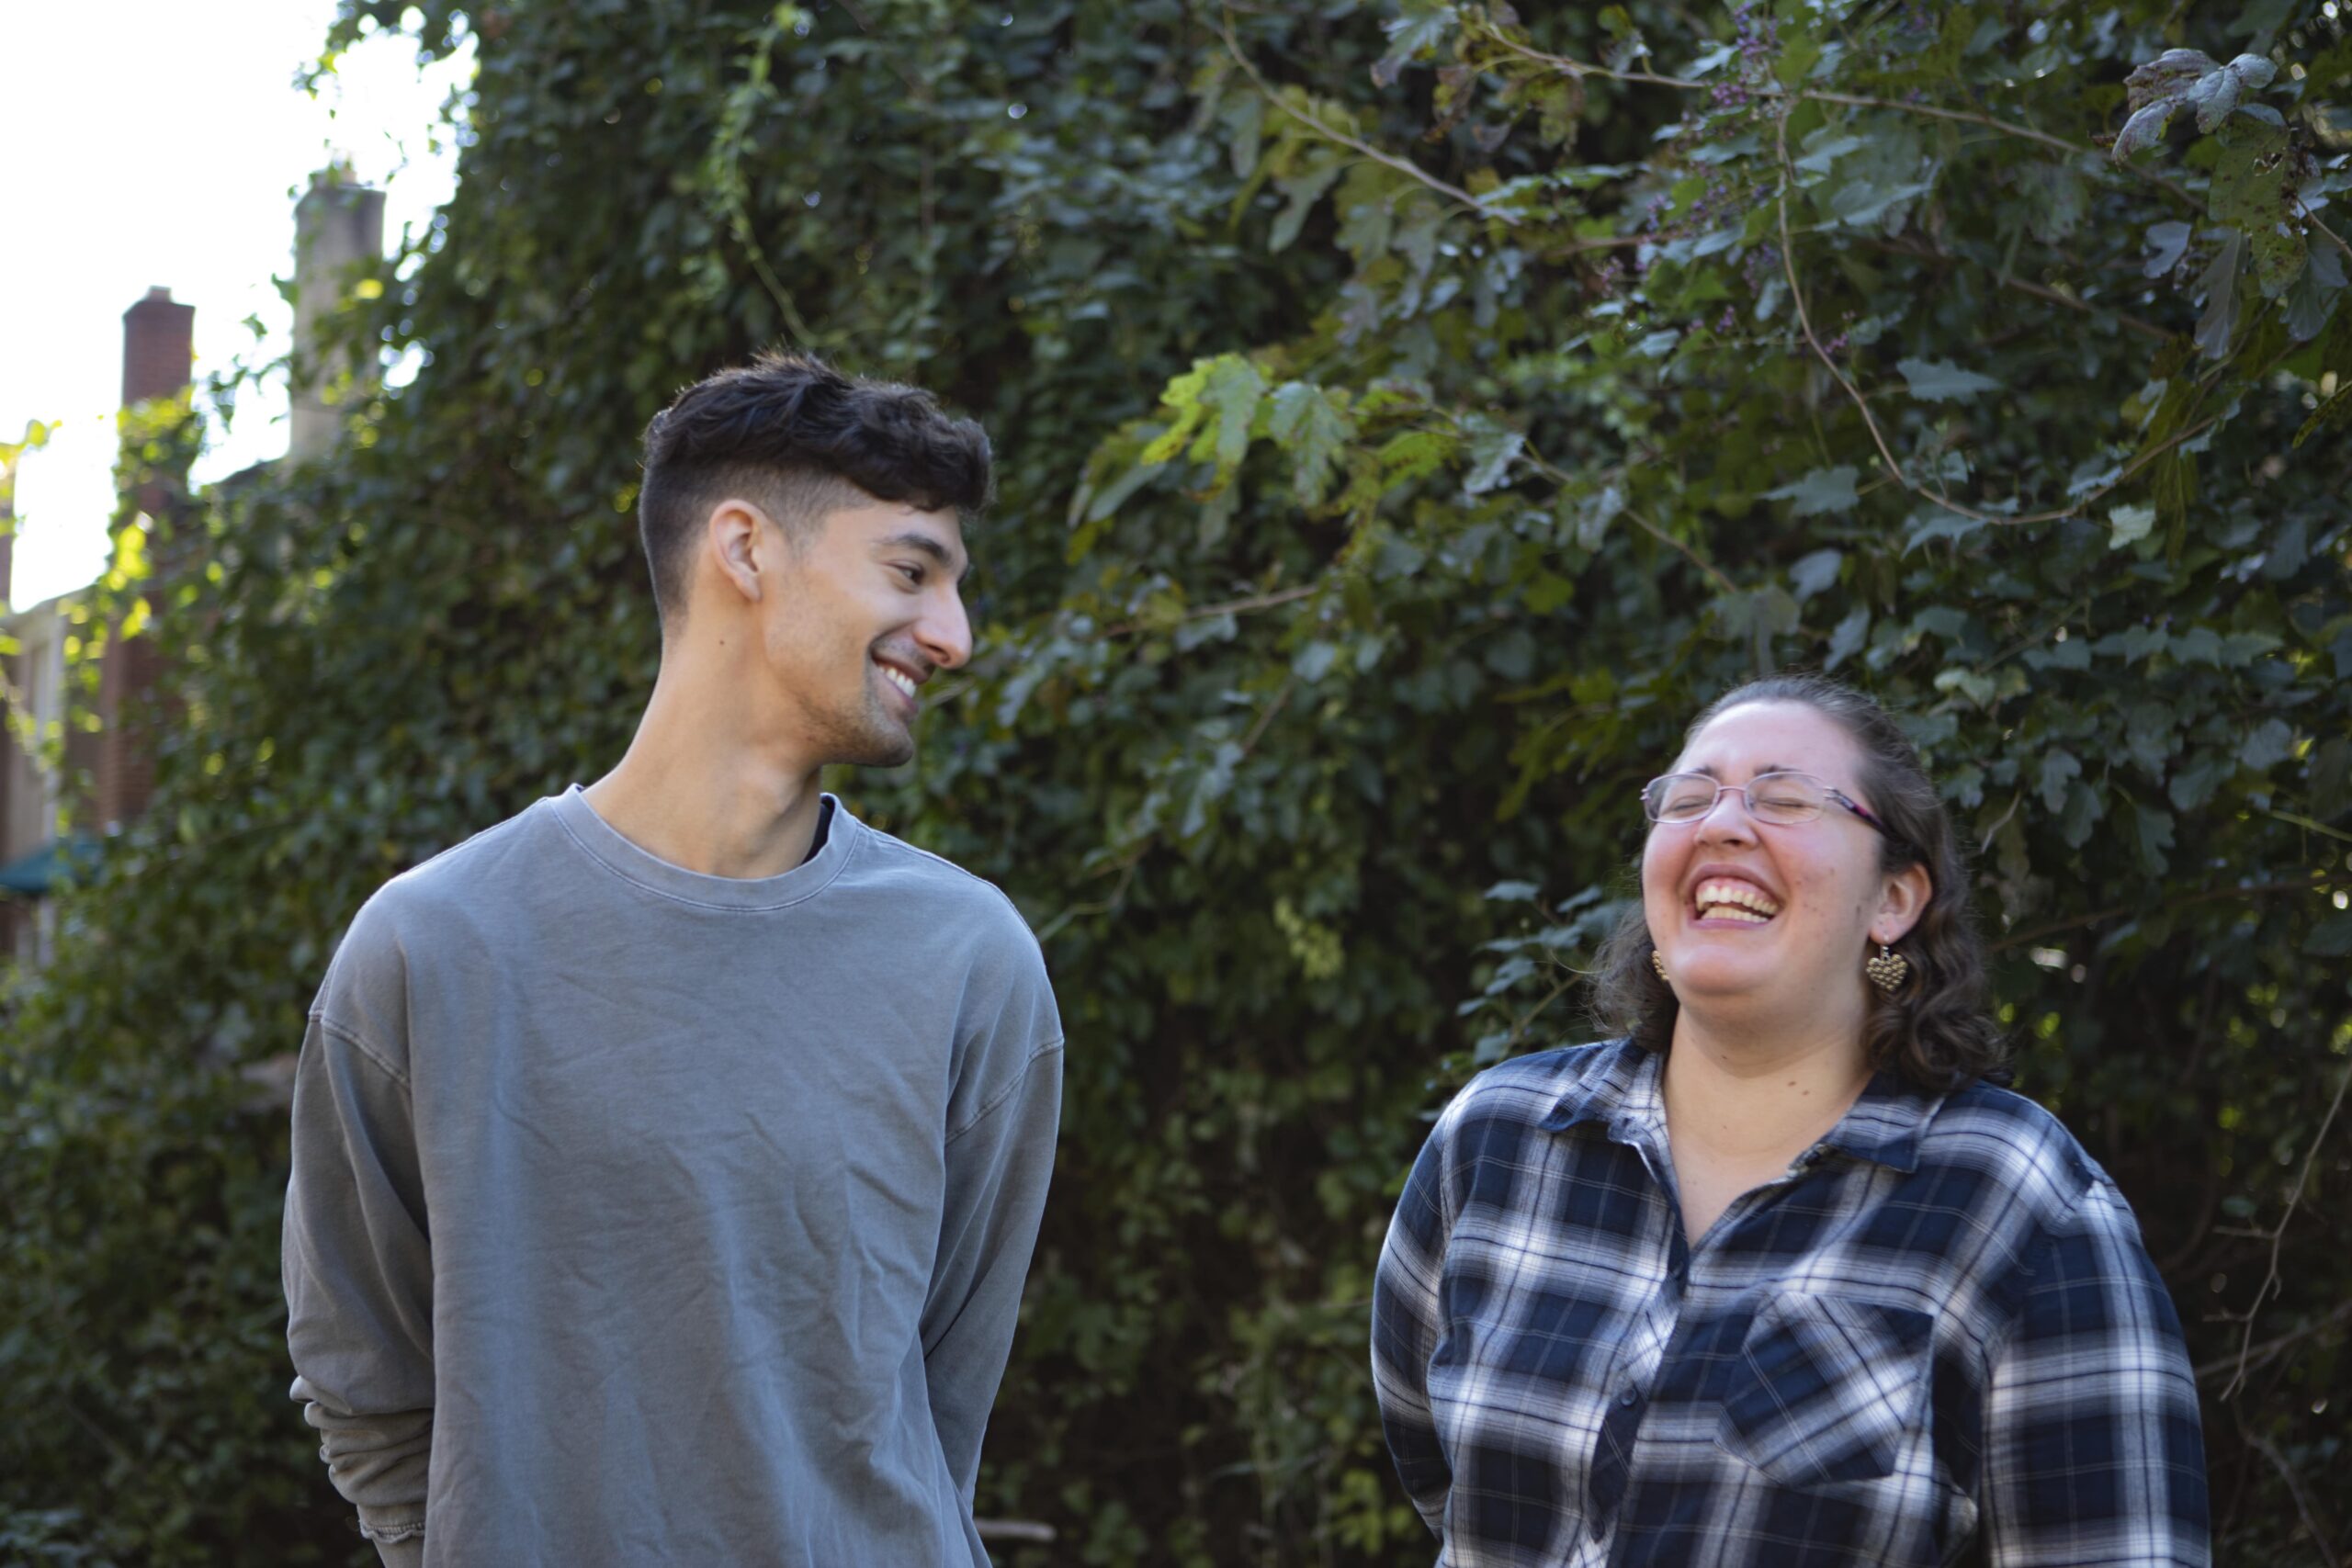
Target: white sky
161,142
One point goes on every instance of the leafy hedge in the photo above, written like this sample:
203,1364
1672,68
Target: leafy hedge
1409,418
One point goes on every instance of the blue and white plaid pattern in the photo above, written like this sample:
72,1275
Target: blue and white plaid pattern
1937,1338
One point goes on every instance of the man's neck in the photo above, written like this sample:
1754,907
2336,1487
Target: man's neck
702,797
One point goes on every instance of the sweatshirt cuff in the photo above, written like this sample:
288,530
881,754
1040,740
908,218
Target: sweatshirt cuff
398,1532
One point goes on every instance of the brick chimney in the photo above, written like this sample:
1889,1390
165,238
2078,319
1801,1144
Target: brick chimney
158,356
337,227
158,347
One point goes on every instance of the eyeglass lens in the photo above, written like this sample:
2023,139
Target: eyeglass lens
1771,798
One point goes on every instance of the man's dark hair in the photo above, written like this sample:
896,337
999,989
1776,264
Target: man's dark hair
800,439
1934,1031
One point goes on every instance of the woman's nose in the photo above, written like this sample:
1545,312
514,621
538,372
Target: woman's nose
1727,817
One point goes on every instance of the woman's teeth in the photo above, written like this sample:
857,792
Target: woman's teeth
1740,901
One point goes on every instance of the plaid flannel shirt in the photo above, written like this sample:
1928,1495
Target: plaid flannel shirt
1936,1338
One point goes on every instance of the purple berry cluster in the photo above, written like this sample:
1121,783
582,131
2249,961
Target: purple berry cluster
1757,39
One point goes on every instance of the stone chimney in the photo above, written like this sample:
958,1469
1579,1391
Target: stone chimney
337,227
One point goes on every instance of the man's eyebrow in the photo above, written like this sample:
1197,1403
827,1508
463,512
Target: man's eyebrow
929,546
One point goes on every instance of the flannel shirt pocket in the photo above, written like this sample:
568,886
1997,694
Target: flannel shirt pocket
1826,1389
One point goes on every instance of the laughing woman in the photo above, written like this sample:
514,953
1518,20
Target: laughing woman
1778,1278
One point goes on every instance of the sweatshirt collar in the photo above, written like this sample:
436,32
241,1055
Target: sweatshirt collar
600,841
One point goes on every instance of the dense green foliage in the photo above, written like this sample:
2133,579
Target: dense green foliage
1407,420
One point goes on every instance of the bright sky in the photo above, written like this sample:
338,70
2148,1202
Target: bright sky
160,143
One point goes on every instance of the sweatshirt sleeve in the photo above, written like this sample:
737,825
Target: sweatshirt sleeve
358,1262
999,1155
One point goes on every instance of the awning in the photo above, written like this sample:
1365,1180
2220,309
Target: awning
29,877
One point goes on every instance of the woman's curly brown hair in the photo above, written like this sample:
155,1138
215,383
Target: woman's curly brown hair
1934,1030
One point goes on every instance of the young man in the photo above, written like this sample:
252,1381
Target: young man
668,1158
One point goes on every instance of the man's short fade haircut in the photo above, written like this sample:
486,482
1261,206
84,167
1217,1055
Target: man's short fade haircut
797,437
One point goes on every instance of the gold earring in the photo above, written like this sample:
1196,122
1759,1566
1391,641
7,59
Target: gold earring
1888,970
1658,963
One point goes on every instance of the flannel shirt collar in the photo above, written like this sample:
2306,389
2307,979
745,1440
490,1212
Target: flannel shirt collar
1623,1090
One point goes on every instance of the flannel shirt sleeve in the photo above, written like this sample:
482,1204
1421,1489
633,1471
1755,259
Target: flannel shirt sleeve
2093,1452
1407,1323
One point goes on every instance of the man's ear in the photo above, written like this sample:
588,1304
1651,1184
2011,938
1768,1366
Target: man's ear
740,539
1901,905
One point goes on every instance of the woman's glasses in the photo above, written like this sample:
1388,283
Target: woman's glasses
1781,799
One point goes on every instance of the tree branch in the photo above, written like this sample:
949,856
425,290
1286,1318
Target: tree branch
1652,529
2211,894
1230,607
1968,117
2263,1353
1402,165
2279,1240
1804,313
2313,219
2038,290
1794,95
1878,437
2269,1450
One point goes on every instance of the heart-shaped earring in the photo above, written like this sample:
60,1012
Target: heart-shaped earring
1888,970
1658,963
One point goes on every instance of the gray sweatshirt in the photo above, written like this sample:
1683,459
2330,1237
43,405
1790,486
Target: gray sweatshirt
640,1216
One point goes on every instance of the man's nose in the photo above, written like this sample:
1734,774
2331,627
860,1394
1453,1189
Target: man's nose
945,632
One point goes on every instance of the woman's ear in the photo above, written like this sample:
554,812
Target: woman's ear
1901,903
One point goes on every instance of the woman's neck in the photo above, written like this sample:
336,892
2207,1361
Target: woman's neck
1753,1099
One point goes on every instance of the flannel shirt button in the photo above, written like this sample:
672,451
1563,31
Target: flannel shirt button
1629,1398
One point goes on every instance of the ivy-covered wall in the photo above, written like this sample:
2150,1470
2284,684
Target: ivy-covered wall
1409,418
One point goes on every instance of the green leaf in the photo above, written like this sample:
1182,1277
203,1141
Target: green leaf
1233,391
2195,782
1939,380
2255,70
2219,284
1846,638
1313,426
2057,770
2271,742
2250,193
2145,129
2155,837
2213,96
1493,447
2331,938
1594,512
1420,27
1304,189
1809,575
1113,496
2129,524
2168,242
1931,523
1823,490
2168,77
